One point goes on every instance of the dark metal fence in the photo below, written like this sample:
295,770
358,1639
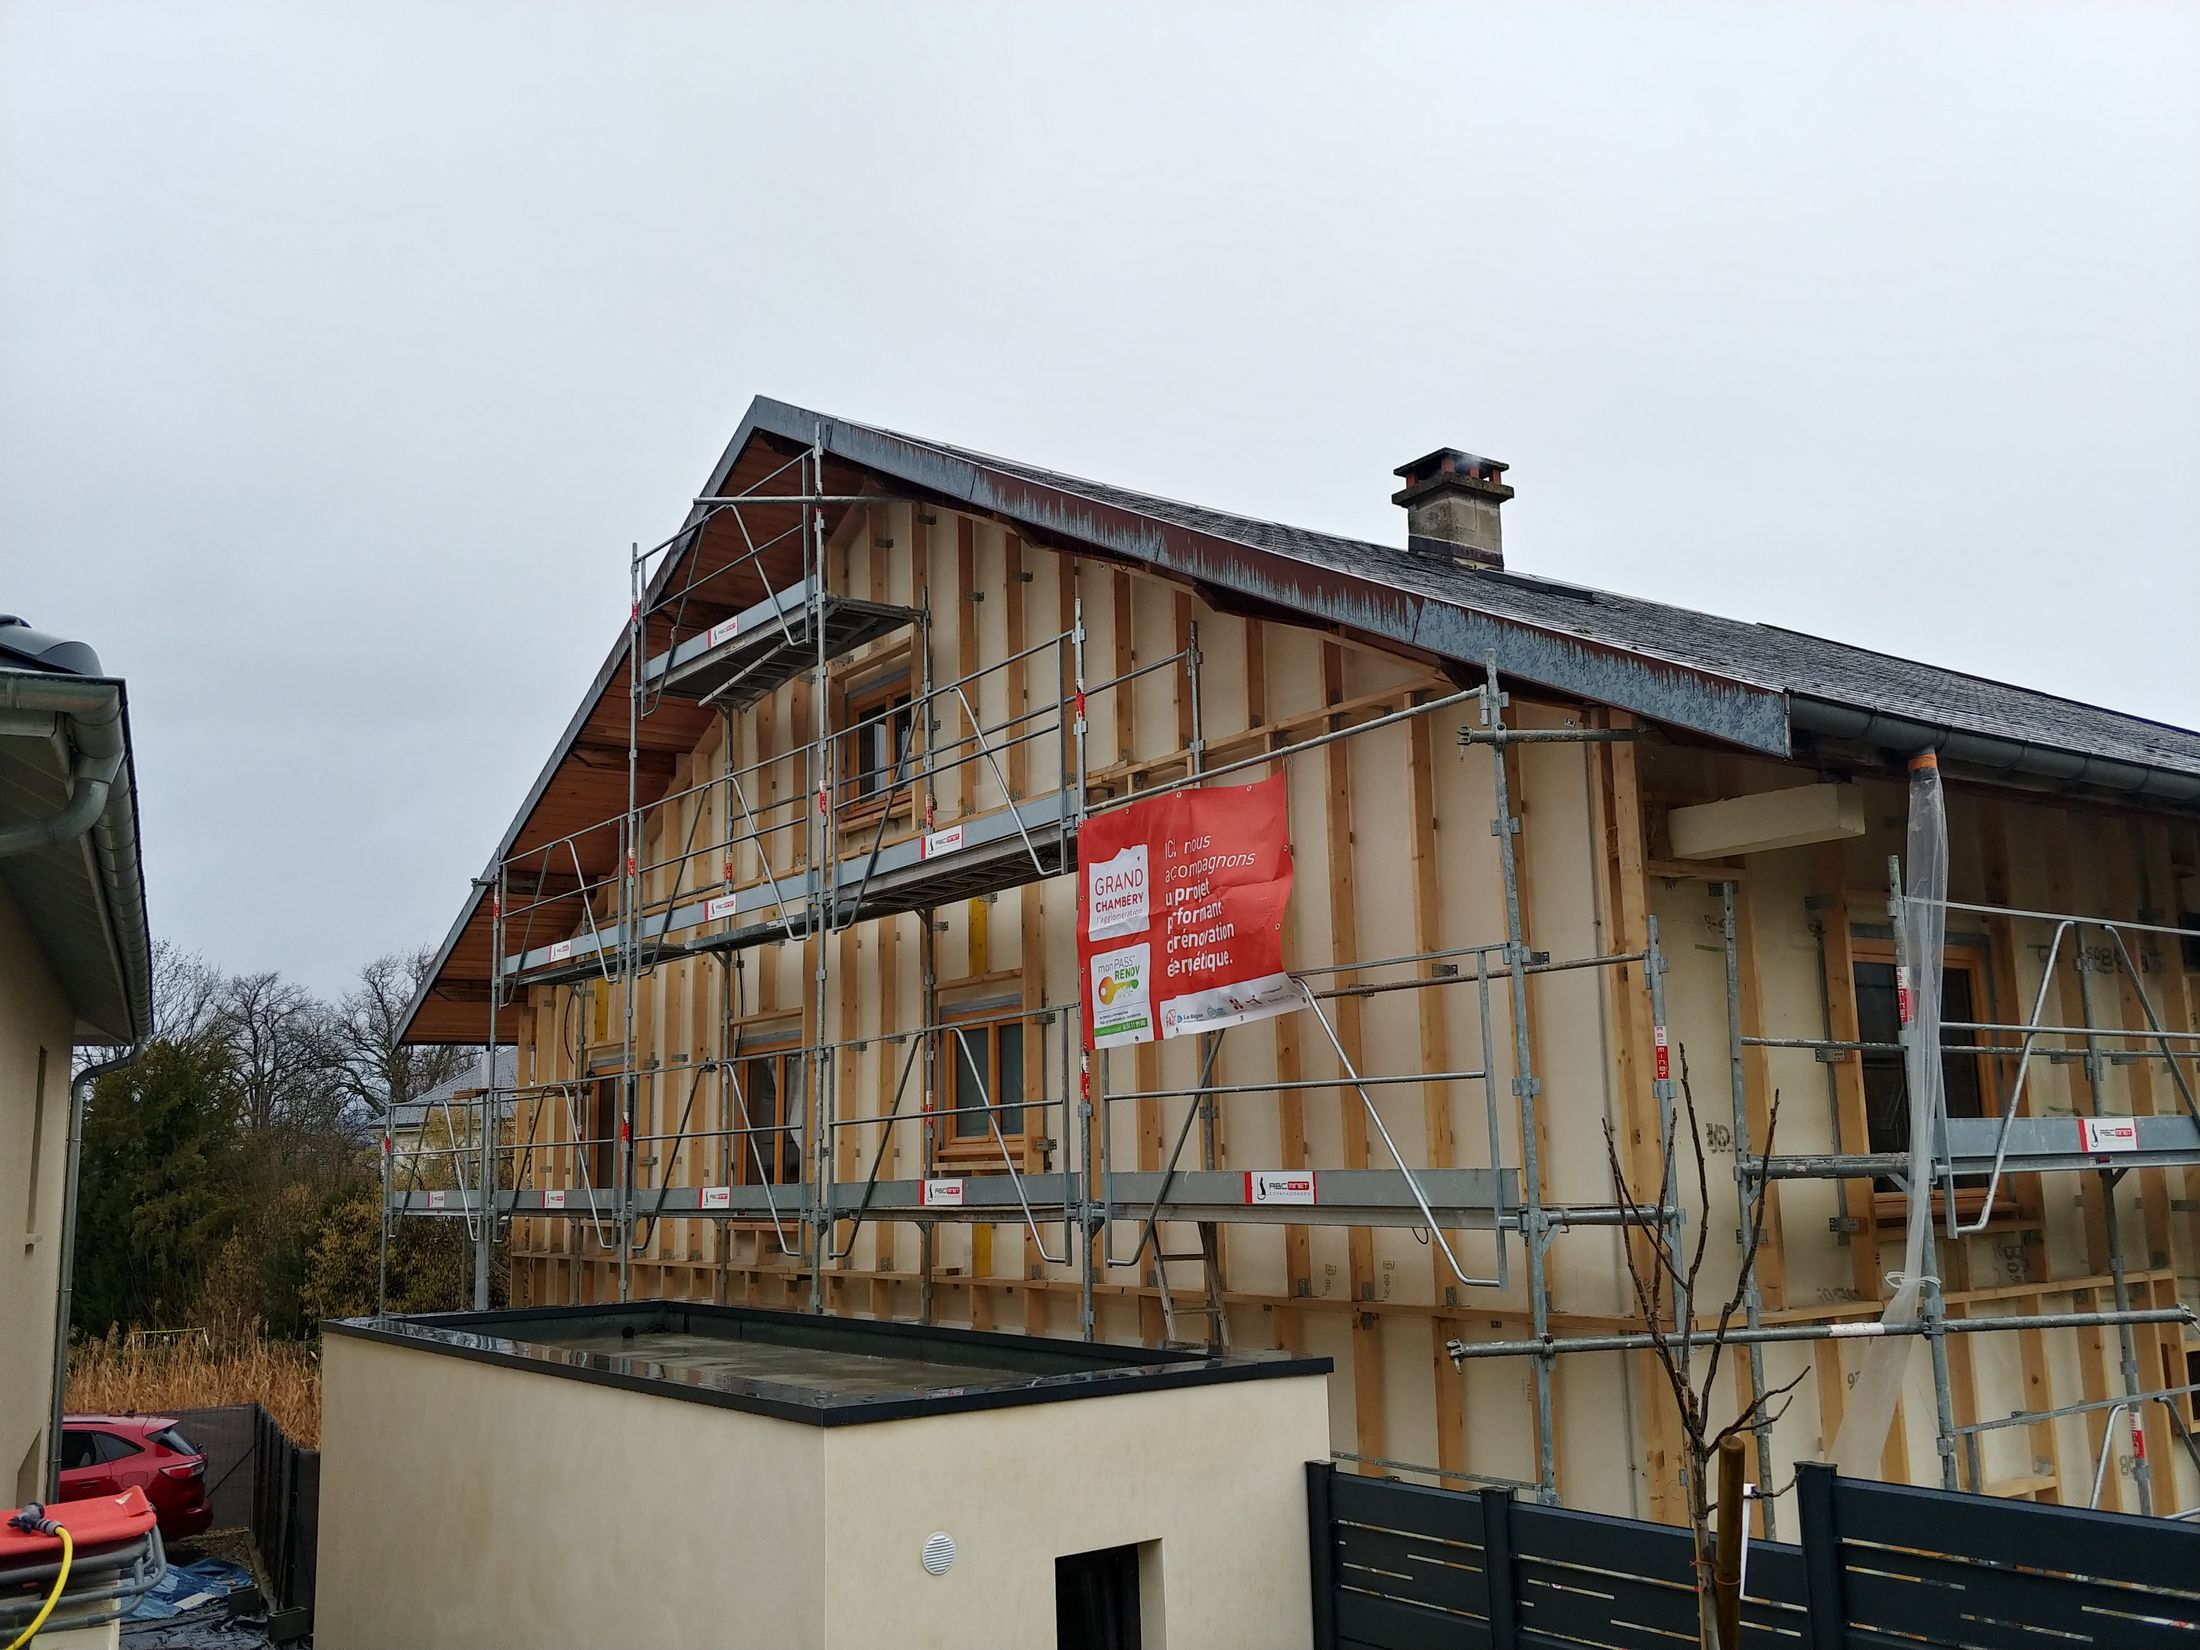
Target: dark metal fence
258,1479
224,1435
1400,1567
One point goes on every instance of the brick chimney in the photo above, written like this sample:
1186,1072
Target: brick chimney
1451,501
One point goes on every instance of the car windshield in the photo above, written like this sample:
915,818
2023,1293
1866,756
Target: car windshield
170,1438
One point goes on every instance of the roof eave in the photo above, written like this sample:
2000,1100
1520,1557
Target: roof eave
1746,714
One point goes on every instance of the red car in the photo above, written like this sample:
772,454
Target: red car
106,1454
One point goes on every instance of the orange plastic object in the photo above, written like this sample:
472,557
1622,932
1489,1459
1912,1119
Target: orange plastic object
101,1521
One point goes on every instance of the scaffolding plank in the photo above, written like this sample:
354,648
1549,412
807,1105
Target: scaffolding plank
2036,1145
1460,1198
740,660
989,854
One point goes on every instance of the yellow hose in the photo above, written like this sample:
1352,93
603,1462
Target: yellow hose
68,1552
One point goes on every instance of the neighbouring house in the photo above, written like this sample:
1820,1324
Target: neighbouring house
75,974
786,941
447,1119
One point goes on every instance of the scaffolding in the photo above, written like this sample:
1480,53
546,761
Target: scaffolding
808,864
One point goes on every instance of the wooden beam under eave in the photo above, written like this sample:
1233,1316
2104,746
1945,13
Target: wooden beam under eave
1765,821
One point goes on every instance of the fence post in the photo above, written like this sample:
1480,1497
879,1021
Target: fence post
1497,1568
1817,1489
1321,1552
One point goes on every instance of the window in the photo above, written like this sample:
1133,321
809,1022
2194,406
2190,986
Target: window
93,1449
1096,1600
1887,1084
600,1129
875,760
984,1065
772,1093
170,1439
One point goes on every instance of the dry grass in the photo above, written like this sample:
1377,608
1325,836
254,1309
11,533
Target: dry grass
188,1369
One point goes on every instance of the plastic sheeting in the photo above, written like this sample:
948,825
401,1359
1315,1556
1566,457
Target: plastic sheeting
188,1588
1922,935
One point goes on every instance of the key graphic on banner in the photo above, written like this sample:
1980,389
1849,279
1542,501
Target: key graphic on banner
1180,905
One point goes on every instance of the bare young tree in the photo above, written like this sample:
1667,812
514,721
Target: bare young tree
1663,1274
377,1070
186,992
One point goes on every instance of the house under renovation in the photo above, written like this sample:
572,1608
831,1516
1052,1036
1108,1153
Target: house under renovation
794,950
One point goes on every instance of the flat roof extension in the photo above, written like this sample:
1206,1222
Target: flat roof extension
796,1366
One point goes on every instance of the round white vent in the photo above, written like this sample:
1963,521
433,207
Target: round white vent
939,1552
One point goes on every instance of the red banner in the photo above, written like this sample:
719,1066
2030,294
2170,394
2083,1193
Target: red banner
1180,913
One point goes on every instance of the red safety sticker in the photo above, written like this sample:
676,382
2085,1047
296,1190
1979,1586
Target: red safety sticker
1905,1004
1663,1060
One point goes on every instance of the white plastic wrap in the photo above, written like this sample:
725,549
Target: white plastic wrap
1871,1406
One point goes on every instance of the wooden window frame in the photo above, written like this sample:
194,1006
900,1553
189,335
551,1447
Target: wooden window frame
778,1047
875,687
1892,1207
604,1074
974,1152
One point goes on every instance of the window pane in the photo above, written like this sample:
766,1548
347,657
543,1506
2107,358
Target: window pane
1959,1072
112,1448
77,1450
755,1154
1886,1083
969,1095
904,725
1886,1089
792,1102
170,1438
1008,1085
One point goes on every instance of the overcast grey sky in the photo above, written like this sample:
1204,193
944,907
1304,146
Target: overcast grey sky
343,349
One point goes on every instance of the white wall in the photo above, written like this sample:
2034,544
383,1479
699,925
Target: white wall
467,1504
1216,1475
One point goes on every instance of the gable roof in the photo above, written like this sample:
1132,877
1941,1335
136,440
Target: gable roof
1752,686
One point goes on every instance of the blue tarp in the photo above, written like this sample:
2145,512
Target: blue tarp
189,1588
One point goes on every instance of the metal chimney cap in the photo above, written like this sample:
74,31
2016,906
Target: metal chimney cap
1452,461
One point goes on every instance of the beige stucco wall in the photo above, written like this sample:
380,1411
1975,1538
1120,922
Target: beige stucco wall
464,1504
1216,1475
35,1029
467,1504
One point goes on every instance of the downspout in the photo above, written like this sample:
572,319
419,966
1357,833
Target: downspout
91,713
80,1086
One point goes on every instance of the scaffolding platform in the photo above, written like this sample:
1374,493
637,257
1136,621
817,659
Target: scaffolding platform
1004,849
2035,1145
1461,1199
739,660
